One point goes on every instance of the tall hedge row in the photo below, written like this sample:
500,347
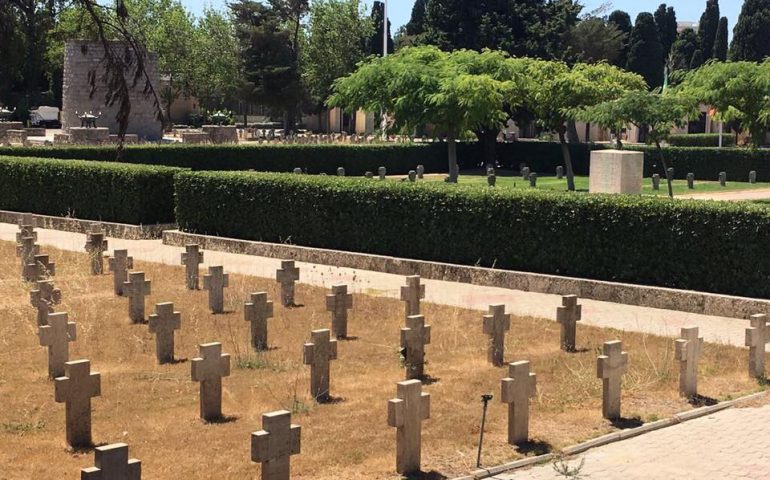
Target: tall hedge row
701,140
113,192
705,246
707,163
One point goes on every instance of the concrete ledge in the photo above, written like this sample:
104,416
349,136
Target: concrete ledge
624,293
115,230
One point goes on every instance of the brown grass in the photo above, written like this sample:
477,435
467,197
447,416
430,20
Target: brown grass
155,408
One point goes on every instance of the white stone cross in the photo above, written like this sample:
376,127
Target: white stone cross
687,351
39,269
757,335
26,249
256,312
56,335
318,353
610,367
43,298
286,276
411,294
96,245
112,463
495,325
215,282
75,389
338,302
120,263
163,323
516,390
136,288
568,315
208,369
191,258
414,337
274,445
406,413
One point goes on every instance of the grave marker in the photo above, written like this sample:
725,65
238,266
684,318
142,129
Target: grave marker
610,367
411,294
567,316
412,176
57,335
525,173
43,298
286,276
687,351
757,335
75,390
318,353
112,463
191,258
215,282
208,369
256,312
120,263
24,232
559,172
340,171
163,323
655,181
492,180
495,325
516,390
96,245
691,181
414,337
274,445
26,251
136,288
338,302
753,176
722,179
406,413
420,171
533,180
381,172
39,269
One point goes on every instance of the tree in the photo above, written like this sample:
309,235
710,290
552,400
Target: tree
375,41
645,54
12,53
416,24
594,40
665,21
720,45
216,60
697,60
622,20
683,50
751,33
707,28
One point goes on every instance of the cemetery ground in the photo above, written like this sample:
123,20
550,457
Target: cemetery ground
155,408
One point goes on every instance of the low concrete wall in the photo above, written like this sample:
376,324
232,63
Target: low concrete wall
628,294
115,230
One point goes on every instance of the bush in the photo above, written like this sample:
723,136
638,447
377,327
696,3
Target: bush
540,157
709,246
701,140
112,192
706,163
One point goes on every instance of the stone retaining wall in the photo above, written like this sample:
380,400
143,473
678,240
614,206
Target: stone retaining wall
115,230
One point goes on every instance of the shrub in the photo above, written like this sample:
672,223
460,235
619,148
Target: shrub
705,246
706,163
113,192
700,140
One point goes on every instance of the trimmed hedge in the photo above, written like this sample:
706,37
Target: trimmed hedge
112,192
708,246
540,157
700,140
706,163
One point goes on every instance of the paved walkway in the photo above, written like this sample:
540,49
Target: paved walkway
734,196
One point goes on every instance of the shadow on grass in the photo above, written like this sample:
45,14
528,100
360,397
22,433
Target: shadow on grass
348,338
330,400
626,423
222,419
702,401
429,380
176,361
432,475
535,447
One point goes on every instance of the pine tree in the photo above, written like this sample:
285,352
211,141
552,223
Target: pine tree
645,53
683,49
751,33
622,20
707,29
416,24
697,60
720,44
665,21
375,42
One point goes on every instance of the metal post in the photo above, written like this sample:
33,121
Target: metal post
721,129
485,399
384,123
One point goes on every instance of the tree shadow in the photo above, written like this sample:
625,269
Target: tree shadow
84,448
330,400
348,338
295,305
428,380
222,419
176,361
432,475
702,401
624,423
536,447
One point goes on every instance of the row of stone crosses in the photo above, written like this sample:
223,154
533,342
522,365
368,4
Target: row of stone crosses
272,446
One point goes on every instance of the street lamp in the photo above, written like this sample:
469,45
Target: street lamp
384,122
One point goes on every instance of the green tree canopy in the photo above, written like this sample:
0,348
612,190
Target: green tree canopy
216,60
416,25
665,21
707,28
375,41
645,53
683,50
751,33
594,40
622,20
720,44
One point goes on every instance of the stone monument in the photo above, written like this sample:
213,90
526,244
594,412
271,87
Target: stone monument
616,171
274,445
406,413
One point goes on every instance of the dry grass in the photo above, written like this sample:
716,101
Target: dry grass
155,408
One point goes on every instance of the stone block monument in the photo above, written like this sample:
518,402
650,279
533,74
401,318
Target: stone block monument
616,171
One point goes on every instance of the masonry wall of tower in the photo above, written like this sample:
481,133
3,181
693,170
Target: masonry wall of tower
82,57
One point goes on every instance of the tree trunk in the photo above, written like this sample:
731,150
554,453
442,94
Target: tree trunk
669,180
452,153
572,133
567,160
488,140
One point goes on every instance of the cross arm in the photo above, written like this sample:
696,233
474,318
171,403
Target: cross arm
91,473
196,369
333,350
112,263
308,353
61,389
72,331
507,388
331,302
532,384
95,380
425,405
489,327
601,366
260,446
184,258
680,349
44,333
396,413
207,282
224,364
34,297
405,332
296,434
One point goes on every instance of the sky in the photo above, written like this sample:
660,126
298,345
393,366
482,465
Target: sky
399,11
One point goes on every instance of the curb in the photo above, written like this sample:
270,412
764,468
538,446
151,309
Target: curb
76,225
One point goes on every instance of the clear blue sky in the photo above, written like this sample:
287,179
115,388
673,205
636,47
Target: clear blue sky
686,10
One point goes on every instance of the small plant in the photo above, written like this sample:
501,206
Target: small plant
563,468
23,427
257,362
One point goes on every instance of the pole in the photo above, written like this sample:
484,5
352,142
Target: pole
485,399
384,122
721,129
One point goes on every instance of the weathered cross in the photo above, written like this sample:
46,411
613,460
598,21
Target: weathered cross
411,293
516,390
96,245
26,249
163,323
39,269
757,335
215,282
406,413
25,231
191,258
610,367
43,298
687,351
256,312
568,315
338,302
112,463
75,389
318,353
120,263
274,445
286,276
136,288
414,337
56,335
495,325
208,369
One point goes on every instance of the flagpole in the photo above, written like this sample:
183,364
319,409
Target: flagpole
384,124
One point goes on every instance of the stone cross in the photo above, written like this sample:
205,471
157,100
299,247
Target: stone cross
26,251
256,311
96,245
26,219
568,315
411,293
274,445
757,335
516,390
56,335
338,302
25,231
406,413
191,258
414,337
136,288
318,353
120,263
495,325
39,269
610,367
112,463
75,390
286,276
43,298
208,369
687,352
163,323
215,282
